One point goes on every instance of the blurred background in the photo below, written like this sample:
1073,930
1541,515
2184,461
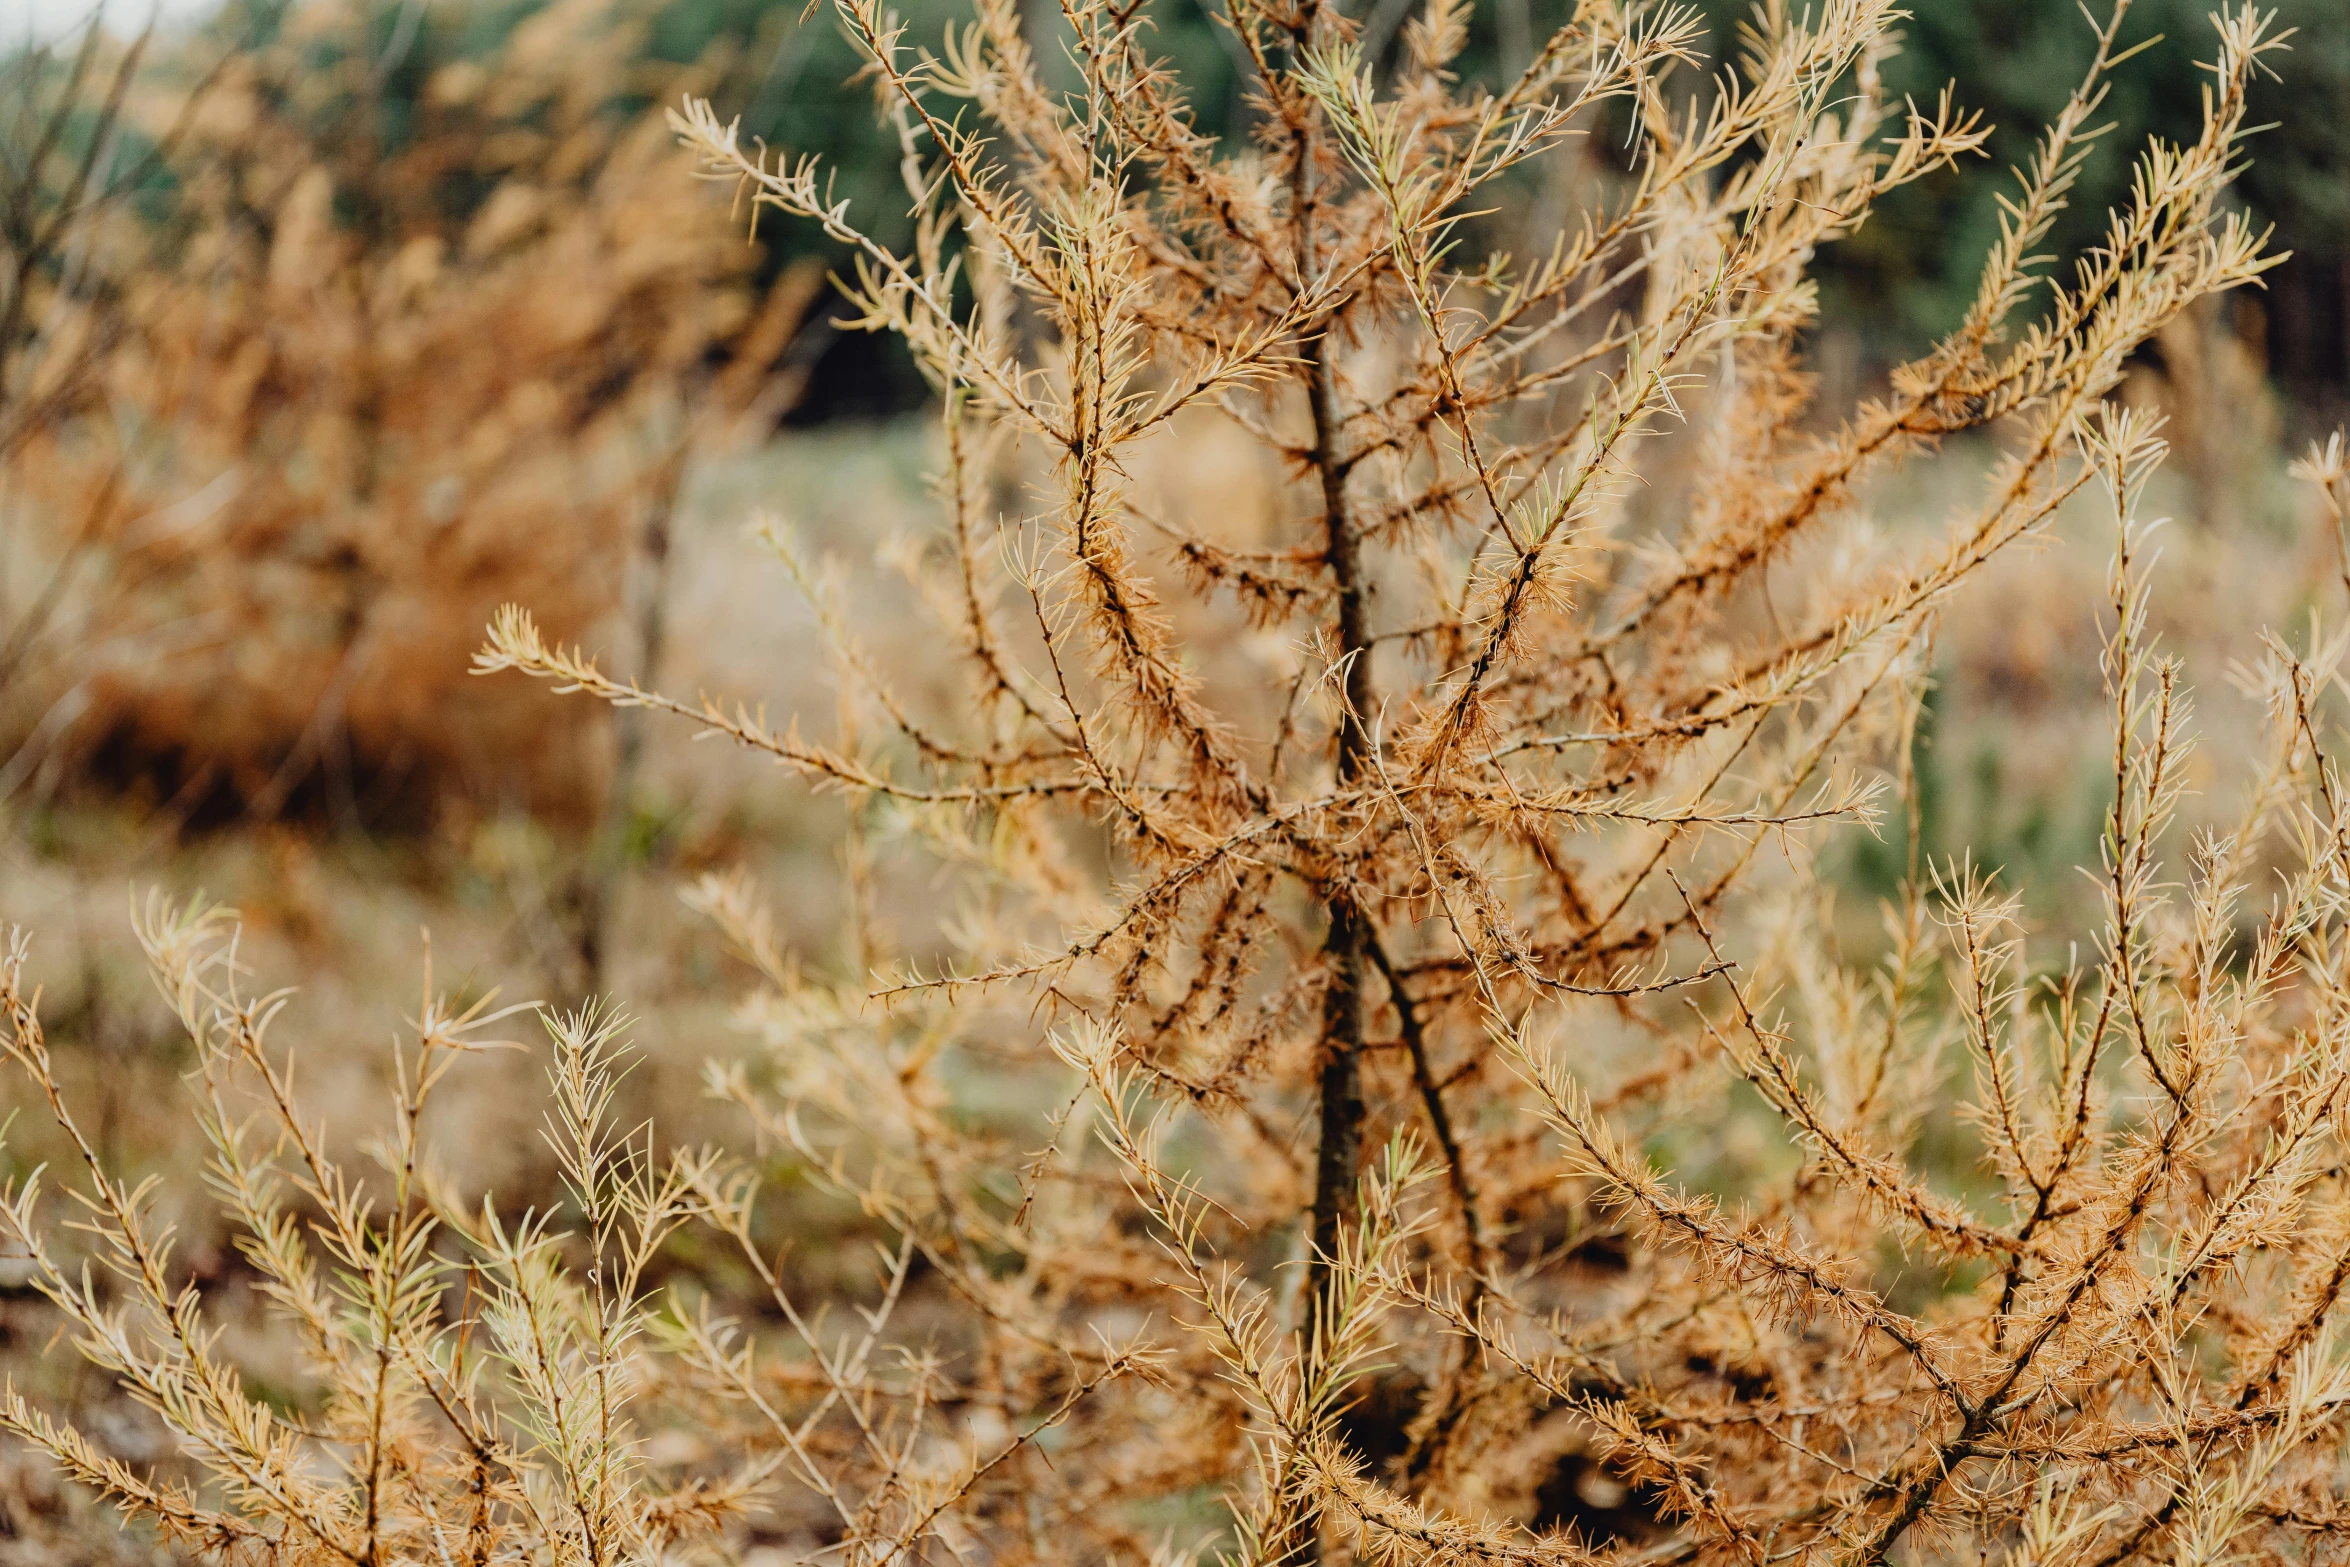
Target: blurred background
327,326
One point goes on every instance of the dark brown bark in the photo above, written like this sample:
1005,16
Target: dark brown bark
1345,949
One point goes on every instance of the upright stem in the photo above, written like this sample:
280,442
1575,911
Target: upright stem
1346,947
1347,944
598,889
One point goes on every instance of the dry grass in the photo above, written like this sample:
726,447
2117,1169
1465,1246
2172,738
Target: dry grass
1339,1017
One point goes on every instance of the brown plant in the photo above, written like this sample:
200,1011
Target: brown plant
1293,1137
358,390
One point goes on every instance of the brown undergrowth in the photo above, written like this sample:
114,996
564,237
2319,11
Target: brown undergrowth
368,365
1346,941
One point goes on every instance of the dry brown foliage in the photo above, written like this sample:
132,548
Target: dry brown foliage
1358,933
346,401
